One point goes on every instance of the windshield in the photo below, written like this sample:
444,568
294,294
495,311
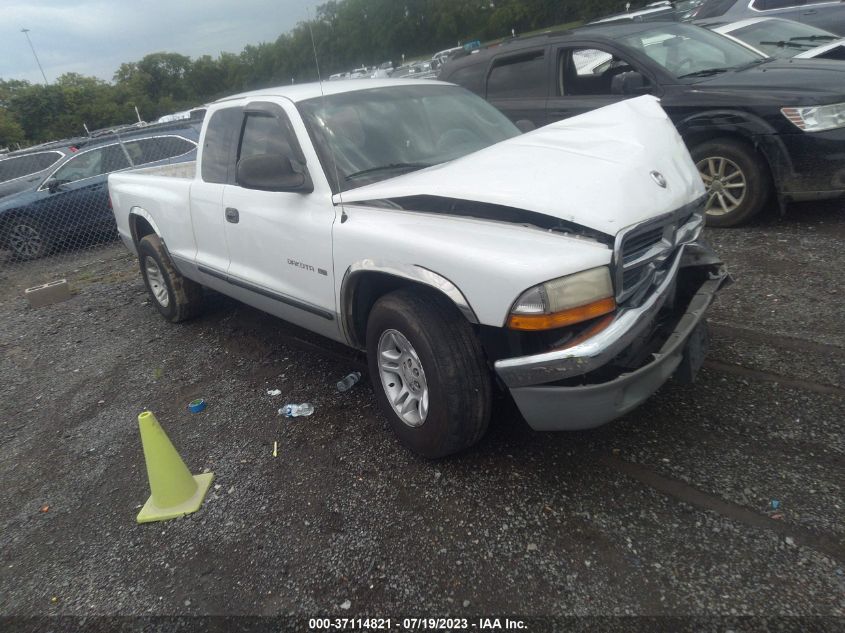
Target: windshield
691,51
377,134
782,38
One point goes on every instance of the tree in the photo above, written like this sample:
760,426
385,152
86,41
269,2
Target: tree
11,133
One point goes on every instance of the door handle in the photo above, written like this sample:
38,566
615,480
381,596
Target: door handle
232,215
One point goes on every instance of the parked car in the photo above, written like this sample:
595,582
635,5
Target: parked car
825,14
72,200
412,220
22,169
754,125
650,13
775,37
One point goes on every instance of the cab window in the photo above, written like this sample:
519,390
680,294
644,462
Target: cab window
265,134
219,134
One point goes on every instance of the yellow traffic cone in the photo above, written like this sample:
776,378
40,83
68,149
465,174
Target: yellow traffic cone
174,491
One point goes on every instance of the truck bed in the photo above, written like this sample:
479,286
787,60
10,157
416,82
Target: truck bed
156,192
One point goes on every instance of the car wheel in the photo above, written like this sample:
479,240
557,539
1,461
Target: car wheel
176,297
27,239
737,180
429,372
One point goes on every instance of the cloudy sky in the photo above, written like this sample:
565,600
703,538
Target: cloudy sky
93,37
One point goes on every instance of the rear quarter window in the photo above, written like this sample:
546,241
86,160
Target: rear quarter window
518,76
470,77
223,128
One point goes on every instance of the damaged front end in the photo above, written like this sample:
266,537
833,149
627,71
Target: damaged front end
665,278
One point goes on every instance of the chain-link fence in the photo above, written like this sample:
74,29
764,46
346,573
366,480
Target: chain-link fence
55,210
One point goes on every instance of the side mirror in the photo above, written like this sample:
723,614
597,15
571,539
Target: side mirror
630,83
525,125
53,185
272,172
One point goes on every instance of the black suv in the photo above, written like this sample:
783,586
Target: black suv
754,125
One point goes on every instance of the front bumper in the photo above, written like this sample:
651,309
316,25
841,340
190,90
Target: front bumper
556,408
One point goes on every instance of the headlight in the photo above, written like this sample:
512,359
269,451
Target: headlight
817,118
565,301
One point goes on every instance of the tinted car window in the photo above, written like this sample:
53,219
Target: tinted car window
150,150
470,77
588,71
95,162
519,76
20,166
264,134
219,134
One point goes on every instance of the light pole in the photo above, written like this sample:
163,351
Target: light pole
26,32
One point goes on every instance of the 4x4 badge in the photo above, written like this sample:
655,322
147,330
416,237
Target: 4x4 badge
659,178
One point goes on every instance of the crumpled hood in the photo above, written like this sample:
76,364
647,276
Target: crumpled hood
594,170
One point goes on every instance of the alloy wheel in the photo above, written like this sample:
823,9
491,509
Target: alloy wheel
26,241
403,378
725,182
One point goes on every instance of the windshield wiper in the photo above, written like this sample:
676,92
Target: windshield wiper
785,44
388,167
814,38
705,73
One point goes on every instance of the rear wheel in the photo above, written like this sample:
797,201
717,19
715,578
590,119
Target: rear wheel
737,180
429,373
176,297
26,238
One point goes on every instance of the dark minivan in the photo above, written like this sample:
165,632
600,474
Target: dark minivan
754,125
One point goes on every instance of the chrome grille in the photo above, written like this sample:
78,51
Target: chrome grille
643,251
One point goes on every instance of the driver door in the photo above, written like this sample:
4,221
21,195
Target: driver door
280,243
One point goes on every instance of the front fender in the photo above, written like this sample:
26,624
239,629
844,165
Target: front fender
359,271
756,131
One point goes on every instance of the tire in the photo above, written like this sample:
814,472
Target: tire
27,239
443,350
177,298
741,189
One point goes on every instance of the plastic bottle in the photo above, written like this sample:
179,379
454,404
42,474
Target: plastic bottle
347,383
297,410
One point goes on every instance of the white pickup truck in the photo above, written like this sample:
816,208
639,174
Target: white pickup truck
412,220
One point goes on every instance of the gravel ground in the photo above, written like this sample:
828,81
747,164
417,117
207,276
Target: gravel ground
666,512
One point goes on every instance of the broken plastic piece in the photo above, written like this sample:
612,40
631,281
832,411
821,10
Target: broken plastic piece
775,504
297,410
274,392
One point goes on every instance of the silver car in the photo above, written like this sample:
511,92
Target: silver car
826,14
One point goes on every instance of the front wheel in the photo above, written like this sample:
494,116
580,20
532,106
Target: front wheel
176,297
429,373
737,180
